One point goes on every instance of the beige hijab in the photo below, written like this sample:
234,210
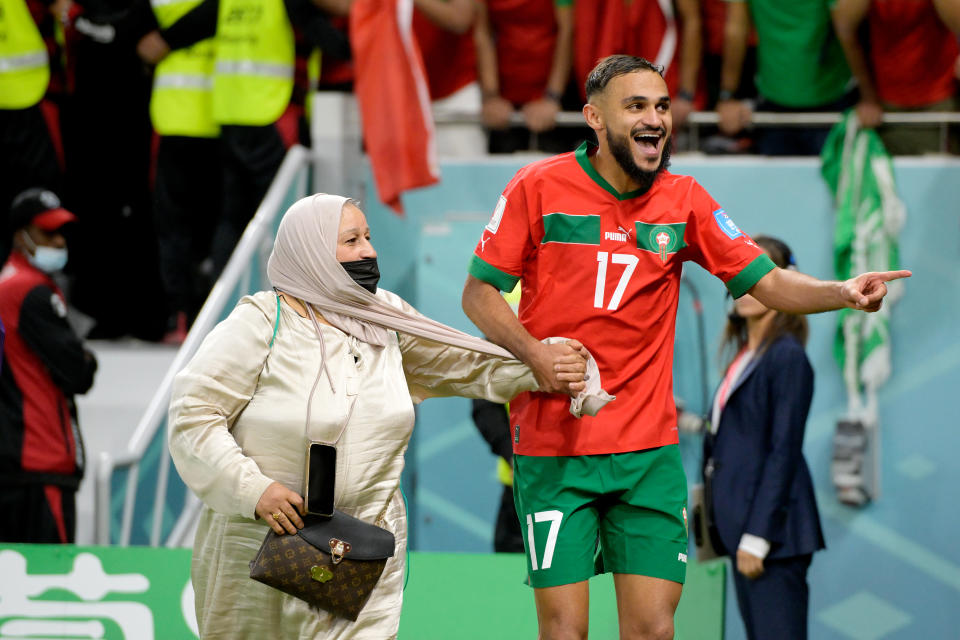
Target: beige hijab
304,264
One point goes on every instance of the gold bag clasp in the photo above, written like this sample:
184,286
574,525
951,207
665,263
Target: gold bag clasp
338,549
321,574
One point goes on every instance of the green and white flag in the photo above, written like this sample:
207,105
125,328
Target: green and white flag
869,217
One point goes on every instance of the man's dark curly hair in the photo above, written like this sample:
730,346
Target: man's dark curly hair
612,66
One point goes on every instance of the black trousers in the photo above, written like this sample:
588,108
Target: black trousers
27,159
186,206
107,141
774,606
37,513
507,535
250,158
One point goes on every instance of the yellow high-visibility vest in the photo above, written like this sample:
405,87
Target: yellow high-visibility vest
313,80
253,76
504,469
181,103
24,67
504,472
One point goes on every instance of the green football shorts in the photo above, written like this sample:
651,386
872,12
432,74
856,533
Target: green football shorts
634,503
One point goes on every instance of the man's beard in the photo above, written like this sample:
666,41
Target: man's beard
620,148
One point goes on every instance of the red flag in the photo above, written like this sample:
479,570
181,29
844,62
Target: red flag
394,99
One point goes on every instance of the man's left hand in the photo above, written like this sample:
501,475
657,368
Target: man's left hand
571,369
749,565
559,367
866,291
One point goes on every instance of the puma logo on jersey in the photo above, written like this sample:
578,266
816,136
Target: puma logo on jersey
620,235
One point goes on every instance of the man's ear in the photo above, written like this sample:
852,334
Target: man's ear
593,116
22,244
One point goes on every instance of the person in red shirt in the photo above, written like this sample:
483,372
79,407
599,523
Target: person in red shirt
714,16
597,239
669,32
444,33
45,364
524,52
913,65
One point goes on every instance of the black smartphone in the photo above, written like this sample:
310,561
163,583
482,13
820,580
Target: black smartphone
321,476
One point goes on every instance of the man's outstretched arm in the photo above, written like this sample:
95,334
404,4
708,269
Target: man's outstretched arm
555,366
794,292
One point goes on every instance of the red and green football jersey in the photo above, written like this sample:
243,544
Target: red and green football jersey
604,268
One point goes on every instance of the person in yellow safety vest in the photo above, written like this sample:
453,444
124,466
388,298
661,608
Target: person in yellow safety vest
186,187
252,87
186,193
493,422
27,155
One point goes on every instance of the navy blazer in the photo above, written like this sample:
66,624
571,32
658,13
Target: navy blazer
761,484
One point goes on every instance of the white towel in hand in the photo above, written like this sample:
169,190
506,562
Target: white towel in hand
593,398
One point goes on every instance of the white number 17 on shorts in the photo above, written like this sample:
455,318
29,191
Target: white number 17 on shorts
553,517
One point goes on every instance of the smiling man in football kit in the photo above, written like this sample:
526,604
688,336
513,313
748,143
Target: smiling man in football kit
597,238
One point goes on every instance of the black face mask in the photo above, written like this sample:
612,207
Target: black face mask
364,272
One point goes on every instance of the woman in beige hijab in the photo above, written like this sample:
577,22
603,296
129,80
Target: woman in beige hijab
326,357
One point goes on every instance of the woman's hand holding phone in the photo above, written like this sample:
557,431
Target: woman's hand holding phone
281,508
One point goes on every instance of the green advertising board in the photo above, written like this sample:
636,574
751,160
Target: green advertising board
143,593
109,593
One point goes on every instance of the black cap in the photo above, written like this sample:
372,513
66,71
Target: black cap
40,207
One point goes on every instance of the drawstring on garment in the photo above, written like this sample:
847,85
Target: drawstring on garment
323,367
323,363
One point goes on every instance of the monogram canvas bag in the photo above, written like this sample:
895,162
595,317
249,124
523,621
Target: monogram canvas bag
332,563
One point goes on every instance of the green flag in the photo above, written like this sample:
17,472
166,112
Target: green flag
869,217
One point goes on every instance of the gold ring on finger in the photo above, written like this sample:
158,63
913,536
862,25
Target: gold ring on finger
276,516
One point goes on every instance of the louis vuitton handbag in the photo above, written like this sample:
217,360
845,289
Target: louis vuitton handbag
332,563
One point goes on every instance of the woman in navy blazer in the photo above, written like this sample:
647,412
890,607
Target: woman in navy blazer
763,503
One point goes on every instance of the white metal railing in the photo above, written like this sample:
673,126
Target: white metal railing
238,272
758,119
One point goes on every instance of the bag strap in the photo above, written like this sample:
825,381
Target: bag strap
383,512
